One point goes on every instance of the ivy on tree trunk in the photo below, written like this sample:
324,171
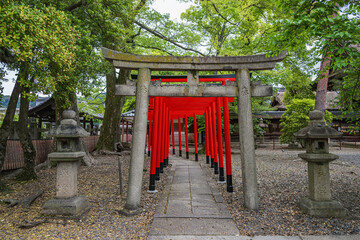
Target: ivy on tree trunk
28,171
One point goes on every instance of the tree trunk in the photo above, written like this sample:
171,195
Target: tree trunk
9,116
28,171
110,130
59,105
321,90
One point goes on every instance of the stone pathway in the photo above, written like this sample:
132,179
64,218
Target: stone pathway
191,206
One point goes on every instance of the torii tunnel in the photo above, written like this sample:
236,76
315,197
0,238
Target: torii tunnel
192,98
162,113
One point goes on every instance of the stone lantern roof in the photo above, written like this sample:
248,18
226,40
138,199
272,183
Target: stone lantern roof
68,127
317,128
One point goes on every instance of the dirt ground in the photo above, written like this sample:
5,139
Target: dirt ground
282,179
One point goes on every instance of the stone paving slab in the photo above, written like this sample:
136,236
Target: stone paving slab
193,226
189,206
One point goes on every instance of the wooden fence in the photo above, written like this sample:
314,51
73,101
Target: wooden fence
15,156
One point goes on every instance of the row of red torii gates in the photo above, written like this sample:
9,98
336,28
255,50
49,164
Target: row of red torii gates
162,113
165,103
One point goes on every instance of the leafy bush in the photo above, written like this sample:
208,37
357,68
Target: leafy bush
296,117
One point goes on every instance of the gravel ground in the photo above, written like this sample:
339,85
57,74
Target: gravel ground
100,184
282,181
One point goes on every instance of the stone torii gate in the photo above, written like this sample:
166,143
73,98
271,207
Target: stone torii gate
242,89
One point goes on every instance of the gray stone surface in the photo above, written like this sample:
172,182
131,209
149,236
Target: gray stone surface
66,206
319,181
188,205
329,208
66,179
246,134
138,140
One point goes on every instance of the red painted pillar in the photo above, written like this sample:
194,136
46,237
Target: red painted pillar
179,125
150,136
153,163
207,136
146,139
220,141
167,138
229,185
216,162
186,137
158,144
172,136
211,137
161,134
195,138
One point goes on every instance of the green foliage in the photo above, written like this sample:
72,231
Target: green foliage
42,38
296,117
93,104
129,104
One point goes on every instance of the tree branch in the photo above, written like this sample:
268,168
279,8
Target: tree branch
75,6
161,36
155,48
140,5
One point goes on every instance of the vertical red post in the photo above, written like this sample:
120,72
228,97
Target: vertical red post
186,137
229,185
153,163
146,139
195,138
220,140
161,134
179,125
150,136
216,162
207,136
158,144
167,137
211,136
173,136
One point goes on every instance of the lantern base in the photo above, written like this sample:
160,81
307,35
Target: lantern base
75,206
324,209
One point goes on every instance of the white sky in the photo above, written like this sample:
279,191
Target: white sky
173,7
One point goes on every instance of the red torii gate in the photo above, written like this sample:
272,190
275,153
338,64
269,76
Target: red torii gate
162,112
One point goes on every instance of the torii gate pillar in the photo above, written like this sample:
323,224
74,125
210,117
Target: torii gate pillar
246,135
138,140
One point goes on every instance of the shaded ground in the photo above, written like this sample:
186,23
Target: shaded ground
282,178
100,184
282,181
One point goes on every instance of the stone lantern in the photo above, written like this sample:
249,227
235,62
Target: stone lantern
68,157
316,136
